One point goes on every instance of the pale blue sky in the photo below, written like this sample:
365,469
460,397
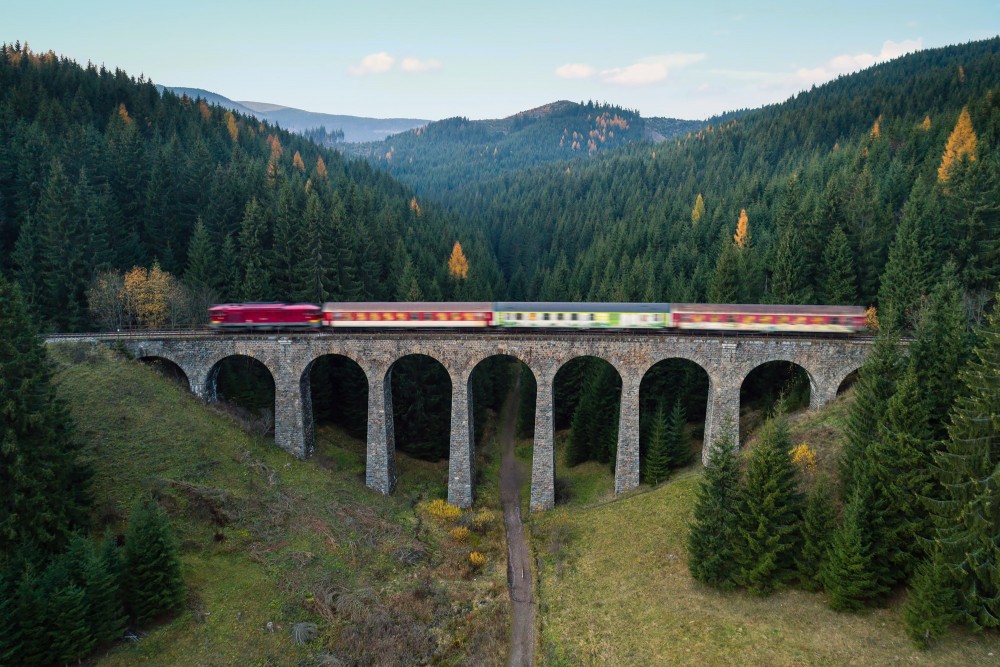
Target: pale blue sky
488,60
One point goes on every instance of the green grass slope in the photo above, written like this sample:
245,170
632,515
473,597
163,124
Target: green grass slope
615,588
269,542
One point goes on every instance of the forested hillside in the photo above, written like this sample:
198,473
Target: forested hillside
444,158
99,173
825,179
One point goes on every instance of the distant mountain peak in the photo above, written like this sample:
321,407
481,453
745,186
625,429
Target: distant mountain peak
263,107
545,109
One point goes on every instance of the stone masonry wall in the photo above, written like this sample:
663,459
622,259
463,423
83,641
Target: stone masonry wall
726,359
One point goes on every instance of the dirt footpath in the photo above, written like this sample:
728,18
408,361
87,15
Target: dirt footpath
512,476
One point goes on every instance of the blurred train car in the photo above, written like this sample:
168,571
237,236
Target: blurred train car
726,317
582,315
264,316
416,314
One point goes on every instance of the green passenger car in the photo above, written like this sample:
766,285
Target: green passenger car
582,315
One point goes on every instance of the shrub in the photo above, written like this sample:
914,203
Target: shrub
460,534
477,560
442,510
484,520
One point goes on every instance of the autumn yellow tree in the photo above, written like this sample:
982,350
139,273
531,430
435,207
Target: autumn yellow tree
961,144
458,265
231,125
415,207
742,236
698,212
146,295
320,171
297,162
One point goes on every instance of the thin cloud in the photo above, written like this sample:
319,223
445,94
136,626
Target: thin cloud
646,71
382,62
373,63
411,64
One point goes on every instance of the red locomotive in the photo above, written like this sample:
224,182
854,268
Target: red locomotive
265,316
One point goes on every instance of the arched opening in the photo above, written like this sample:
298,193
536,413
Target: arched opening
245,387
770,387
421,413
499,424
848,381
168,369
673,399
587,403
339,390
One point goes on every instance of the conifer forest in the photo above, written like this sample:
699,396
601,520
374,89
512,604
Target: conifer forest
123,207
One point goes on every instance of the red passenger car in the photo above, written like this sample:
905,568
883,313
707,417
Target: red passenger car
264,316
736,317
407,315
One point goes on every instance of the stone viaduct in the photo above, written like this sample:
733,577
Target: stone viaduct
726,359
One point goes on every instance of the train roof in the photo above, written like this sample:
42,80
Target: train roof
408,306
582,307
766,309
266,304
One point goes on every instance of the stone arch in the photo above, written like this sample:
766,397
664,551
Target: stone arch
421,406
603,440
847,378
168,368
660,380
224,365
323,381
792,368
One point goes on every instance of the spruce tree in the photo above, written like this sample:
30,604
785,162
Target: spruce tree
839,275
657,466
967,516
713,538
789,267
770,512
152,566
876,385
69,628
101,583
818,522
42,486
678,445
940,349
930,607
900,459
202,271
254,280
912,263
847,575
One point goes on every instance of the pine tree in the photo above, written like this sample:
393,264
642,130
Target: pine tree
69,628
284,249
42,487
875,386
770,512
789,268
818,522
713,538
152,567
847,574
839,281
657,466
202,271
967,517
930,607
678,445
100,579
726,280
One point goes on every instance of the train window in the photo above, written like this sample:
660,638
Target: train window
520,316
591,317
574,316
545,316
559,316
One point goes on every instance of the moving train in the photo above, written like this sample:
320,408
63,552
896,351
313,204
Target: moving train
535,314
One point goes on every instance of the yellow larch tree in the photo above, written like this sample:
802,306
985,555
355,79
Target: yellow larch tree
926,125
123,113
415,207
320,168
297,162
961,144
698,212
876,128
234,131
742,236
458,265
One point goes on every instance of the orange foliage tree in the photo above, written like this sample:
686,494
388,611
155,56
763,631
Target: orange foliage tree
146,295
458,265
742,236
297,162
698,212
231,125
961,143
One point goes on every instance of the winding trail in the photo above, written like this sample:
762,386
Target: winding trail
512,475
